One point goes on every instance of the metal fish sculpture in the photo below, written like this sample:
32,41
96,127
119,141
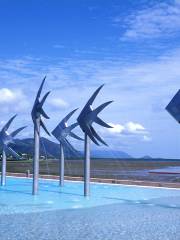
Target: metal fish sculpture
37,114
61,132
87,117
5,139
38,110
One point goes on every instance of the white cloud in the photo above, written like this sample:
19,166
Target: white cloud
147,138
12,100
160,20
117,128
7,95
2,123
127,128
134,127
58,103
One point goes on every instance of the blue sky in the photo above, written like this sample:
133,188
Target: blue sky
132,46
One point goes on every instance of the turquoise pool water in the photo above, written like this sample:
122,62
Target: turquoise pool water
16,196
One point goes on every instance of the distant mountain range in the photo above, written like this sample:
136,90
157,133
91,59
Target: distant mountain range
52,150
48,148
146,157
109,154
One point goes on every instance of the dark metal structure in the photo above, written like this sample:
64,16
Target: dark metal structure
174,107
61,132
5,140
87,117
37,113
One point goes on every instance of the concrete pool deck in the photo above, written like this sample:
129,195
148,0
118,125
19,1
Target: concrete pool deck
112,222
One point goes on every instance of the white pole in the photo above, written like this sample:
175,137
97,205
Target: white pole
36,157
87,167
61,166
3,171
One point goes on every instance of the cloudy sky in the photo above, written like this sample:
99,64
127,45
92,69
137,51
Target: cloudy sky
133,46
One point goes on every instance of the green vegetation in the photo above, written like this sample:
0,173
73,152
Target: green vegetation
136,169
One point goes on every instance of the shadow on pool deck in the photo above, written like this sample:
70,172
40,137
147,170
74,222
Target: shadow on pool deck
149,203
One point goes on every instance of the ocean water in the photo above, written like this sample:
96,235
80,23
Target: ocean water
16,196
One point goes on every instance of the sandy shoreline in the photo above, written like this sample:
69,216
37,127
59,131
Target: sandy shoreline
101,180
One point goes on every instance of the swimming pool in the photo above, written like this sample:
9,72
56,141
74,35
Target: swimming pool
16,196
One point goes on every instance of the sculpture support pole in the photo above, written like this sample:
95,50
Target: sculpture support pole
87,166
61,166
36,156
3,171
